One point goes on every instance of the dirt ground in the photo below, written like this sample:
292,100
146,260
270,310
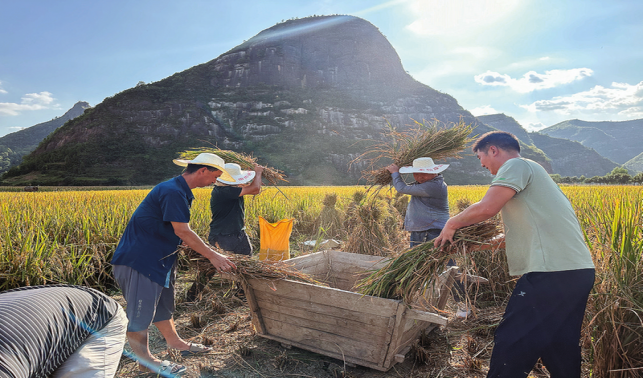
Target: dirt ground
221,319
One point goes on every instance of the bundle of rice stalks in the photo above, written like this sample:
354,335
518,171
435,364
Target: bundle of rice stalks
330,219
401,203
425,140
373,227
411,273
246,162
248,267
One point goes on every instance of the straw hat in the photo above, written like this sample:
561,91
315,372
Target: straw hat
424,165
210,160
240,177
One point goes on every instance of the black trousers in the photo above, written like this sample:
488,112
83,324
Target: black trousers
543,320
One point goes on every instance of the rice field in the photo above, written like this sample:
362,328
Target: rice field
69,237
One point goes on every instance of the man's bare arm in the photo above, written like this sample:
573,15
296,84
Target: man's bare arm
495,198
255,186
192,240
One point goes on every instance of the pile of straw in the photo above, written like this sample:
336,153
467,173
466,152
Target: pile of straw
426,140
330,219
411,273
373,227
248,268
246,162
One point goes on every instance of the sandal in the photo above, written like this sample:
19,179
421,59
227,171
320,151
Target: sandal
195,349
170,369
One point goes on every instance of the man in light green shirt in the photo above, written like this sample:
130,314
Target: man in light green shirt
544,244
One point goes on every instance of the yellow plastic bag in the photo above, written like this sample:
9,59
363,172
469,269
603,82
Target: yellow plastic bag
274,239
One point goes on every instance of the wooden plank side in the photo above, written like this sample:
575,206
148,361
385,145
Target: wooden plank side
367,320
358,335
328,296
334,324
425,316
412,330
339,356
356,259
257,319
354,262
389,359
341,283
324,342
311,263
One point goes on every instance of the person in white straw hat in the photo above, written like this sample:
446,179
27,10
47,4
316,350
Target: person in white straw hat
227,228
144,262
428,209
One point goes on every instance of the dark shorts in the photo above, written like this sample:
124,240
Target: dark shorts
147,301
235,243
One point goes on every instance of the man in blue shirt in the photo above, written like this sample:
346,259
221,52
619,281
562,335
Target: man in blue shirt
145,259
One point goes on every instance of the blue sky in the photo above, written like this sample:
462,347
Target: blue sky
541,62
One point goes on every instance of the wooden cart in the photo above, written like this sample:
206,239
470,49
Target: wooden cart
333,321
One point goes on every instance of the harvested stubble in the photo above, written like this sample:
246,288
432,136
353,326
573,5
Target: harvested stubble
246,162
425,140
248,267
411,273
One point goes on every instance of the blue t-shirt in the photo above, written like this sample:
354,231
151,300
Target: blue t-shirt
149,242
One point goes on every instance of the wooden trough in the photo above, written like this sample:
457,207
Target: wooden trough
333,321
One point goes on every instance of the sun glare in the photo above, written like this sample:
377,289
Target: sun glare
438,17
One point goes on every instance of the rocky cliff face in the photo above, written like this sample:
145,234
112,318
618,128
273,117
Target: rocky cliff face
306,96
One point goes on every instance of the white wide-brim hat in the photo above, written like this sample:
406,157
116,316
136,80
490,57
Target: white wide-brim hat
210,160
424,165
240,177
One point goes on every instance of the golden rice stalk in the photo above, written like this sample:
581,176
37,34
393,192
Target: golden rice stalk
408,275
426,140
248,267
246,162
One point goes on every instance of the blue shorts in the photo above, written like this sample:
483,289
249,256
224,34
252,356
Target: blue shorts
147,301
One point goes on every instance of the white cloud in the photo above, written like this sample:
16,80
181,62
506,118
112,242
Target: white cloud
623,99
439,17
2,90
483,110
30,101
533,126
533,80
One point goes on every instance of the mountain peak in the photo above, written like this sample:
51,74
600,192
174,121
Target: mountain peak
306,96
312,52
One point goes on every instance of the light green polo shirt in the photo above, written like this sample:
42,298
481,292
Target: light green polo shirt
542,231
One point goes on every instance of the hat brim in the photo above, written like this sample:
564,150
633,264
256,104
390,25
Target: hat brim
225,175
434,169
243,178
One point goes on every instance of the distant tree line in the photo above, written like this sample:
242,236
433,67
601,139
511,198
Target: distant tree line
619,175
